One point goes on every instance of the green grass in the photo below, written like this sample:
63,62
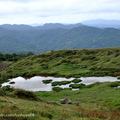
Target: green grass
76,80
75,86
47,81
100,102
69,63
60,83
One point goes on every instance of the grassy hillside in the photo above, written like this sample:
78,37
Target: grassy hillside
69,63
88,104
99,101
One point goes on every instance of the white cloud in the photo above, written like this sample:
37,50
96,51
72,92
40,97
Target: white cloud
63,11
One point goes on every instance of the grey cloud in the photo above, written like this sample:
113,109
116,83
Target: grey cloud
18,0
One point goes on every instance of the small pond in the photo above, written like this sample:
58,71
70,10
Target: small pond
36,84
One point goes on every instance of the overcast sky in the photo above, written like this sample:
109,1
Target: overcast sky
57,11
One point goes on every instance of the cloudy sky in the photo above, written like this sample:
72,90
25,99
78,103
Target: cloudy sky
57,11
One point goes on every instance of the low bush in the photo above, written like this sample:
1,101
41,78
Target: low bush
64,82
12,83
25,94
75,86
2,92
118,77
7,88
47,81
76,80
3,80
46,115
57,89
60,83
114,84
55,83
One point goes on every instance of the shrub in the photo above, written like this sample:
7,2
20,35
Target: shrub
3,80
75,86
12,83
60,83
55,83
64,82
57,89
7,88
2,92
118,77
114,84
47,81
46,115
25,94
76,80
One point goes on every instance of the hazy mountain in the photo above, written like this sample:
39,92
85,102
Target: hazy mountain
16,27
38,41
42,27
103,23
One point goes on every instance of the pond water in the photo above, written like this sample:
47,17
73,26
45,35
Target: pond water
36,84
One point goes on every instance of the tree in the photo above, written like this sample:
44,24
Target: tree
30,53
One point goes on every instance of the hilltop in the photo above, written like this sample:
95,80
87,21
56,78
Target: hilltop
68,63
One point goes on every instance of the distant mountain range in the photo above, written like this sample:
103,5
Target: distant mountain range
103,23
25,38
43,27
99,23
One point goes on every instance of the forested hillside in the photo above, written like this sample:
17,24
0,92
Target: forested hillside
38,40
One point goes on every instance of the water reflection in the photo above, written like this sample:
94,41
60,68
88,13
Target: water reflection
36,84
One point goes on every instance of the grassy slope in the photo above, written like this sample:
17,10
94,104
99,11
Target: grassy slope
95,104
84,62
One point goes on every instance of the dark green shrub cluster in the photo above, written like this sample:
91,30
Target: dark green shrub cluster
25,94
7,88
13,57
60,83
47,81
46,115
57,89
76,80
114,84
12,83
65,82
118,77
55,83
75,86
2,92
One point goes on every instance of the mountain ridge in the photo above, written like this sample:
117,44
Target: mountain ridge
38,41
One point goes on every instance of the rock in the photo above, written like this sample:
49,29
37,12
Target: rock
98,67
65,101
